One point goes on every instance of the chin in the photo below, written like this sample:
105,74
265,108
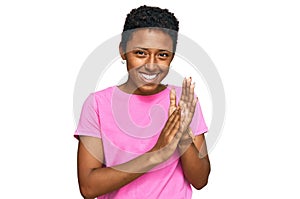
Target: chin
148,89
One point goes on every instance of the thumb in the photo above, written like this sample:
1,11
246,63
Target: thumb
172,101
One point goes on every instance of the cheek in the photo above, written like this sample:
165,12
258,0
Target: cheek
166,70
135,63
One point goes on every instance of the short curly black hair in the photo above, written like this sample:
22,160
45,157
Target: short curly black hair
150,17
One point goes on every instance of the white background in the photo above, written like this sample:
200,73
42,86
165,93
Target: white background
254,44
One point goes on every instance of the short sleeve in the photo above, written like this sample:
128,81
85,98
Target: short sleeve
198,125
89,122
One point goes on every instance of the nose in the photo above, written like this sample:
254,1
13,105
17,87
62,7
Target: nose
151,64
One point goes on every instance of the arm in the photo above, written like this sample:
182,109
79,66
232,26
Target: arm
194,157
96,180
195,162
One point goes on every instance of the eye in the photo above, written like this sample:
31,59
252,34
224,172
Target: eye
140,53
163,54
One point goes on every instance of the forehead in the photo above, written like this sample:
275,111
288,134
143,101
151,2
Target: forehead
150,38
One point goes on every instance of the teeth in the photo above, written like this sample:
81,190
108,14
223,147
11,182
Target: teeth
149,77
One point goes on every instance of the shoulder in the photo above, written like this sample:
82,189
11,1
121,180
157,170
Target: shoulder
100,97
104,93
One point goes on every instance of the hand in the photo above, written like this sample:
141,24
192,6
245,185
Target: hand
169,137
176,130
187,103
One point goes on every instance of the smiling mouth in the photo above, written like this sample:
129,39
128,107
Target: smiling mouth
147,77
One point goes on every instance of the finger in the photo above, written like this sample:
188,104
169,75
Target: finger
194,103
191,111
172,101
172,118
183,90
175,133
173,97
188,85
184,117
191,92
183,86
174,127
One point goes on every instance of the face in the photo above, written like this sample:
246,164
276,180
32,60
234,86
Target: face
148,56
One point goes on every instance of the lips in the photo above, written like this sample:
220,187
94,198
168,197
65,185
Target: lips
149,78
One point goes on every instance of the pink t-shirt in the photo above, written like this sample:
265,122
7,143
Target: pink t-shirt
129,125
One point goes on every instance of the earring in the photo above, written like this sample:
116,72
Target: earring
123,61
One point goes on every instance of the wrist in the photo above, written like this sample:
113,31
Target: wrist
185,141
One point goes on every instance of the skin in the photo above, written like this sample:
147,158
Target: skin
194,158
148,52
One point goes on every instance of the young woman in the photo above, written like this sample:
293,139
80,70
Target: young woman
143,139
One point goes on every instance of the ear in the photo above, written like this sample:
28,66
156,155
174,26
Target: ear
121,51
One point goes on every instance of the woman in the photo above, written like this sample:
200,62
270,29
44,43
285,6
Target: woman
123,151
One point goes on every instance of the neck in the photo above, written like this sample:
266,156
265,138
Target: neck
127,88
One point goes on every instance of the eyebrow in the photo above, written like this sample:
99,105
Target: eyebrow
150,48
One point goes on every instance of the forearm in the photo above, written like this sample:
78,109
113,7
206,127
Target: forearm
94,180
104,180
196,168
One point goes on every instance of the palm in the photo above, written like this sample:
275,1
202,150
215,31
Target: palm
187,103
